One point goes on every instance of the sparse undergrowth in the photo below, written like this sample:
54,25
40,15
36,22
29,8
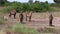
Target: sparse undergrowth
21,29
53,30
49,30
2,20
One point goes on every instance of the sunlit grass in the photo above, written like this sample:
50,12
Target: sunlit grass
23,29
2,20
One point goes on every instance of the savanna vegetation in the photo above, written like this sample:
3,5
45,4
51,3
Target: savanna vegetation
6,6
35,7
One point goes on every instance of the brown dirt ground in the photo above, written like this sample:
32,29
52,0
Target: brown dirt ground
39,20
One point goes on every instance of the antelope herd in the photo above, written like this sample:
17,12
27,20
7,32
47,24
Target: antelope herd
21,16
28,16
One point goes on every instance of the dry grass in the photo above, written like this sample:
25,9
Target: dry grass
39,20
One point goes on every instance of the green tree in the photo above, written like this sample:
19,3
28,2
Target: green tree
17,5
57,1
37,2
35,7
46,2
2,2
30,1
26,7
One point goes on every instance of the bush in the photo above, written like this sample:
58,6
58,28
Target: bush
55,5
35,7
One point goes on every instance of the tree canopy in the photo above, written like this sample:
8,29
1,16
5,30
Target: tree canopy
57,1
35,7
2,2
